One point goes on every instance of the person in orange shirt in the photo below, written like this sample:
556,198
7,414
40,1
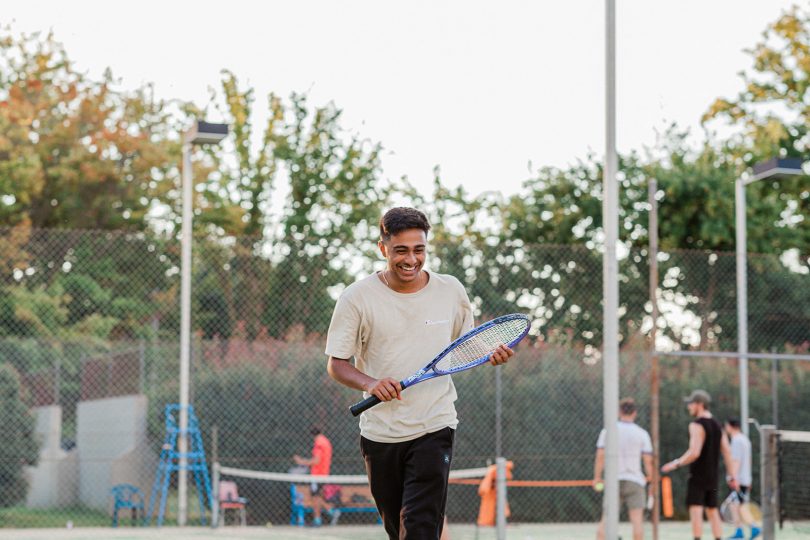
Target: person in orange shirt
319,465
487,490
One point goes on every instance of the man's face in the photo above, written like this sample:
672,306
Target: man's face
694,408
406,253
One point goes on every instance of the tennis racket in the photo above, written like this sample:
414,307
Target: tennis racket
750,513
470,350
726,513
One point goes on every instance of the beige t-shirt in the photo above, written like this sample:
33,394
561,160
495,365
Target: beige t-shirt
393,334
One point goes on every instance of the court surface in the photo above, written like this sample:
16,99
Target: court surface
567,531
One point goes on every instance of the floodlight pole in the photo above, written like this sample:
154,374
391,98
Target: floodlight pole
610,282
774,168
200,133
185,334
655,377
742,298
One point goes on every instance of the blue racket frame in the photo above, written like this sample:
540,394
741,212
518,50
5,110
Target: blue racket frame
430,371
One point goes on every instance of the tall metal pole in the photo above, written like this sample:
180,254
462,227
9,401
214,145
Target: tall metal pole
655,382
775,392
500,461
185,336
610,217
498,412
742,300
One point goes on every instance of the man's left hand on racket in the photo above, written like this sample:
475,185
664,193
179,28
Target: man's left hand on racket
386,389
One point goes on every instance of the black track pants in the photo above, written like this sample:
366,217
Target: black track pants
409,483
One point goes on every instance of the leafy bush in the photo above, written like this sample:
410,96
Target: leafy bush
19,446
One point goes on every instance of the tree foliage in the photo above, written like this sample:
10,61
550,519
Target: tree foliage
76,153
19,446
286,211
770,117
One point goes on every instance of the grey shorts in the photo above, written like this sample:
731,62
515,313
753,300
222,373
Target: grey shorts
632,494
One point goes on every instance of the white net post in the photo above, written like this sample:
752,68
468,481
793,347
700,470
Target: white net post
768,480
500,501
215,495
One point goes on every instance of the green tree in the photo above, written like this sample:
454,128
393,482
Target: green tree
19,446
284,264
76,153
336,196
770,117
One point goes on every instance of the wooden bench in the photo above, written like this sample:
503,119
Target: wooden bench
354,498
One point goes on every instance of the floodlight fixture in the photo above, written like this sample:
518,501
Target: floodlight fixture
201,133
775,168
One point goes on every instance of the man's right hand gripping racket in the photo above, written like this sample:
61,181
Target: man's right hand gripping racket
470,350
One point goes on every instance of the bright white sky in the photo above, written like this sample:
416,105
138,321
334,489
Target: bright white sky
479,88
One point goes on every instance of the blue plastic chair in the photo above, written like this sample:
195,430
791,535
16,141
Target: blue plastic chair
128,496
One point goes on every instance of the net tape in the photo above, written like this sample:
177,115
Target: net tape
329,479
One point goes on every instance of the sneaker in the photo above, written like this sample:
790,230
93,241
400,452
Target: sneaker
335,516
737,534
316,522
755,532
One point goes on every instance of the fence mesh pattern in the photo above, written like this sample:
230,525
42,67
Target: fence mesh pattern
89,353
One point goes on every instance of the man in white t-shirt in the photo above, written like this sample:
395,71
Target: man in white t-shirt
741,457
635,446
392,323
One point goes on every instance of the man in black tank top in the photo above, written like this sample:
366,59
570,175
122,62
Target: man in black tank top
707,442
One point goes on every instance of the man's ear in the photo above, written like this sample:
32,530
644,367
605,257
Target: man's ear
381,245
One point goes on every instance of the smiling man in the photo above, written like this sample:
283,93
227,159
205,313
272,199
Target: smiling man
392,323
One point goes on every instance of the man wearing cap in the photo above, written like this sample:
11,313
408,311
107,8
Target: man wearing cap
707,442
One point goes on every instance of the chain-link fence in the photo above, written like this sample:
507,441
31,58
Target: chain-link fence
89,352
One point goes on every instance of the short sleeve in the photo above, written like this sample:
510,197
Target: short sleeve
317,452
464,318
344,330
737,449
646,447
600,442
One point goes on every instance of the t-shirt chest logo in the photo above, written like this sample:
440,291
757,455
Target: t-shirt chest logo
430,322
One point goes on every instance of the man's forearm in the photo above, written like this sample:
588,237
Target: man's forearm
599,464
687,457
648,467
344,372
731,465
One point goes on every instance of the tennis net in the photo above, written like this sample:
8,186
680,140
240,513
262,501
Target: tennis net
794,479
286,498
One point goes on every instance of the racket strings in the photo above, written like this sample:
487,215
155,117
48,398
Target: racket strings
481,345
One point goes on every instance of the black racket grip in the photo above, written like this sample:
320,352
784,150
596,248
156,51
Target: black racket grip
364,405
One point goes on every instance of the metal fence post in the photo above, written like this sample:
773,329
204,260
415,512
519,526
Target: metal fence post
498,412
655,382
